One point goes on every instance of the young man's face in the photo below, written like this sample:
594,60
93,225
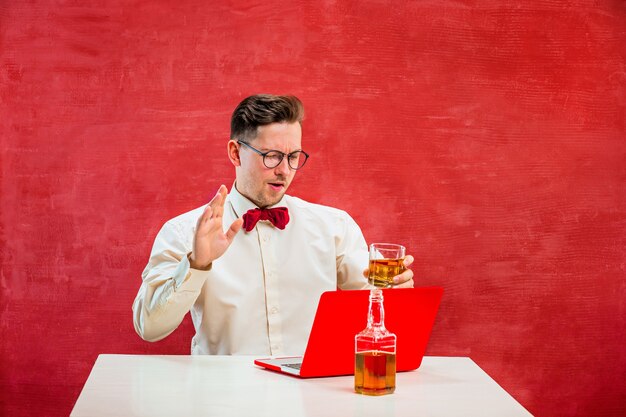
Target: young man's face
266,186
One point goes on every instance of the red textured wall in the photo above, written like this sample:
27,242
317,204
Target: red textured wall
489,136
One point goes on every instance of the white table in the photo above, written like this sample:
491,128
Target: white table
221,386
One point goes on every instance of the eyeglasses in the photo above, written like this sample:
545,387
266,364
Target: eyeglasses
271,159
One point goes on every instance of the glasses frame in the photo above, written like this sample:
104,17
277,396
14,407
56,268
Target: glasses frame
282,156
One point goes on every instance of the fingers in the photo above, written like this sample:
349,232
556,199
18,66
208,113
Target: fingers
404,277
223,191
213,211
405,284
215,197
366,272
234,229
210,241
217,202
215,208
204,218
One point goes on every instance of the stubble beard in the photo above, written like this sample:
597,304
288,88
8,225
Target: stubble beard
266,200
265,197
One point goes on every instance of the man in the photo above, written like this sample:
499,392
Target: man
253,291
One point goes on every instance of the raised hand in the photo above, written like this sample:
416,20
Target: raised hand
210,242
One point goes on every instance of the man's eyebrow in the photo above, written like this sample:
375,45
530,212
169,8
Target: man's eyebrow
276,150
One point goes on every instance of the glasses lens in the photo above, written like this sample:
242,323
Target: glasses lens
272,159
297,159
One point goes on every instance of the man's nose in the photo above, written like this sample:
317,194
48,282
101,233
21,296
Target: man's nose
283,167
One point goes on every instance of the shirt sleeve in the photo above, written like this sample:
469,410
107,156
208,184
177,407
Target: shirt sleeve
169,288
352,254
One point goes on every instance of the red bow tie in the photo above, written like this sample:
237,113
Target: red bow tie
278,216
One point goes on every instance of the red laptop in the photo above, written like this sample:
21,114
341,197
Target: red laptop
409,313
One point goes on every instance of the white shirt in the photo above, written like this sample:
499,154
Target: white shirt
260,297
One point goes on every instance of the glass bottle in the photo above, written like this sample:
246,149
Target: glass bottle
375,352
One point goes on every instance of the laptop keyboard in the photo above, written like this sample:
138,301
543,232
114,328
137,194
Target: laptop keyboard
293,365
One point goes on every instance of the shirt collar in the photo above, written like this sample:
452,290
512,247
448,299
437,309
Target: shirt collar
241,204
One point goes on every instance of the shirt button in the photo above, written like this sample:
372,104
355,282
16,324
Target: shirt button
274,310
265,238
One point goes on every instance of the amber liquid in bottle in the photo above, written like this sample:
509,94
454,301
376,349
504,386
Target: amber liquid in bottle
375,352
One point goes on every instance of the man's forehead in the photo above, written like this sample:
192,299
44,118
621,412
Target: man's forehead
279,134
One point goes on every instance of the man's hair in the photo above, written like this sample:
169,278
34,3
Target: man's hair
261,110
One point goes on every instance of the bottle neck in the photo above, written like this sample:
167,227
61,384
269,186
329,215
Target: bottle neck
376,313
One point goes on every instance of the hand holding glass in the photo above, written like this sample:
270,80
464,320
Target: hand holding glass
385,262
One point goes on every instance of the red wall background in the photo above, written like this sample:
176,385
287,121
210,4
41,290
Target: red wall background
489,136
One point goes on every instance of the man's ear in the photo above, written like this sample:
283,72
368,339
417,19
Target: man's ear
233,152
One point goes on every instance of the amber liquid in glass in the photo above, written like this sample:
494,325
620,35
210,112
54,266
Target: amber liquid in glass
375,373
382,271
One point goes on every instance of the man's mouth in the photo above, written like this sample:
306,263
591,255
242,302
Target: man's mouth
276,186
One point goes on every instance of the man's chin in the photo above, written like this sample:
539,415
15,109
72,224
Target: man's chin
273,198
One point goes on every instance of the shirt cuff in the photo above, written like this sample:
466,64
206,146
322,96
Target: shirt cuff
188,279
